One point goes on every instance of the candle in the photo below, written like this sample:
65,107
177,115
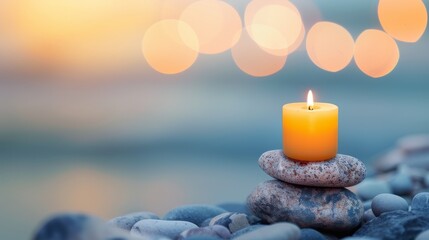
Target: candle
310,130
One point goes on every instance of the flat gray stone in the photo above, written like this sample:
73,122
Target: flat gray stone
154,227
126,222
278,231
194,213
341,171
309,207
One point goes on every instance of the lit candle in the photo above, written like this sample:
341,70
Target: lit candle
310,130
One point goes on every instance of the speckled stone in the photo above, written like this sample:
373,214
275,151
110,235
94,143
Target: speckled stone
321,208
341,171
232,221
126,222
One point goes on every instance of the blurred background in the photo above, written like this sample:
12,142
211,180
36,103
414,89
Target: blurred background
90,122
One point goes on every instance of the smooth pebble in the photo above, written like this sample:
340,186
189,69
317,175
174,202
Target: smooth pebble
423,235
368,215
246,230
401,184
210,231
72,226
171,229
232,221
341,171
278,231
387,202
196,213
126,222
420,203
370,188
311,234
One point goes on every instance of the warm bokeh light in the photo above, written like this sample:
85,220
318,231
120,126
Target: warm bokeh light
376,53
80,35
253,60
404,20
216,23
170,46
274,24
329,46
172,9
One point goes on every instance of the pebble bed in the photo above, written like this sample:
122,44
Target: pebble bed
391,202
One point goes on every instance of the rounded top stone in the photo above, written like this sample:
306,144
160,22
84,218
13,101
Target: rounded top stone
341,171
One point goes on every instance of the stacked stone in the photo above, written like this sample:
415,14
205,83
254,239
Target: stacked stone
309,194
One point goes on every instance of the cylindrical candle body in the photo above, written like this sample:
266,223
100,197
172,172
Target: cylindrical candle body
310,135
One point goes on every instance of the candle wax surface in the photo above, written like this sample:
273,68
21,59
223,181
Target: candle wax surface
310,135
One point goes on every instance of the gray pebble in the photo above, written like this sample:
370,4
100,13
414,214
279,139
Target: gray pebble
426,180
401,184
423,235
368,215
341,171
72,226
210,231
126,222
206,222
311,234
367,204
420,203
370,188
202,238
193,213
246,230
312,207
278,231
389,161
232,221
387,202
171,229
414,143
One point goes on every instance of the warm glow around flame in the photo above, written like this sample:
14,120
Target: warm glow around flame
310,101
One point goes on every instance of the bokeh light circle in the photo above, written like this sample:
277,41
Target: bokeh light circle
253,60
330,46
216,23
405,20
376,53
170,46
274,24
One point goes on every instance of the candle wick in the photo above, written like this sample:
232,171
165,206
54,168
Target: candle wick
310,108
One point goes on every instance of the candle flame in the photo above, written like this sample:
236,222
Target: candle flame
310,102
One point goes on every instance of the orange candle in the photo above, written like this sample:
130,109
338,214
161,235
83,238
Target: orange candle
310,130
